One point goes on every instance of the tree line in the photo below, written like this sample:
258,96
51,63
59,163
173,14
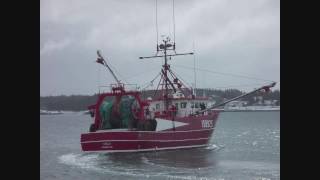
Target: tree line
81,102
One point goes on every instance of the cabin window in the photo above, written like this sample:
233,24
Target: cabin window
177,105
192,105
157,106
197,105
202,106
183,105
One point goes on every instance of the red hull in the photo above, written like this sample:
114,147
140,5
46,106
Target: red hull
189,132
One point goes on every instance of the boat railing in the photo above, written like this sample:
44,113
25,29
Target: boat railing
117,87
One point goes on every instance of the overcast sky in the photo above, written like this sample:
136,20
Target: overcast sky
240,37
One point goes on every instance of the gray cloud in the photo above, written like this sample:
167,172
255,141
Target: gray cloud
239,37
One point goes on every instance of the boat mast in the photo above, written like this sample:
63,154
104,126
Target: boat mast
165,71
166,82
165,67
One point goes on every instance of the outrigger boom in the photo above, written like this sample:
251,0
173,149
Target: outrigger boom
101,60
265,88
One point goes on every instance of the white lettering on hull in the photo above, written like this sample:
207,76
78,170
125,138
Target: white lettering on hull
106,145
207,123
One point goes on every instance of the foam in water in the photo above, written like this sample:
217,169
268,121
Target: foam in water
79,160
249,165
214,147
254,143
90,162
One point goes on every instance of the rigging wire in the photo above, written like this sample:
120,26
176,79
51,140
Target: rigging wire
151,82
194,69
174,25
243,85
185,82
169,31
99,81
141,73
188,75
157,22
227,74
223,87
114,69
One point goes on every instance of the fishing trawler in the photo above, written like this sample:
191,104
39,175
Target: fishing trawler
174,118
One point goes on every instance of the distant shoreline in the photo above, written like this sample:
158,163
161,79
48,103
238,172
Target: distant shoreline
81,102
252,108
249,110
57,112
264,109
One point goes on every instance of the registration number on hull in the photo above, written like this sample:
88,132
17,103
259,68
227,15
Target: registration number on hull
207,123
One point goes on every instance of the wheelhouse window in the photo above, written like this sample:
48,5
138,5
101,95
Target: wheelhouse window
157,106
183,105
192,105
177,105
202,106
197,104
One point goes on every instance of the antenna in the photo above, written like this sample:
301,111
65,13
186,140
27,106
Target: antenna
166,45
157,25
174,26
194,70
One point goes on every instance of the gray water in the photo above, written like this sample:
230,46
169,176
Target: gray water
245,145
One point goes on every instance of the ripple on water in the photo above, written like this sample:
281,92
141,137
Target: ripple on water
156,169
